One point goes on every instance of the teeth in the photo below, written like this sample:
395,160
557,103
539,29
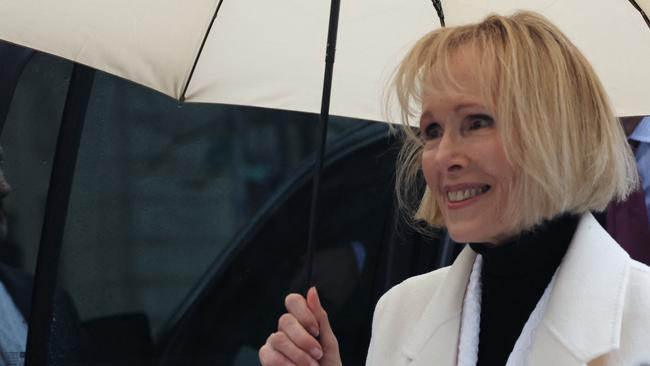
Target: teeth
462,195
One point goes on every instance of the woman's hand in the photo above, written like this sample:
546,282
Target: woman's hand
304,336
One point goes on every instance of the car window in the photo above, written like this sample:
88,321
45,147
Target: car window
364,248
240,305
187,223
160,191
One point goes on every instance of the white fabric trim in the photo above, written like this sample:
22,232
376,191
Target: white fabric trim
471,323
471,317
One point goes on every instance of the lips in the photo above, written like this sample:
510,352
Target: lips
464,193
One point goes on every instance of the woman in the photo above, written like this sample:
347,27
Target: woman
517,144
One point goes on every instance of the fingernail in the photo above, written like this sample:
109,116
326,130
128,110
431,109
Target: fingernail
317,297
316,353
314,331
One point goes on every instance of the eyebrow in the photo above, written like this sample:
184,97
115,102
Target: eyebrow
458,108
467,105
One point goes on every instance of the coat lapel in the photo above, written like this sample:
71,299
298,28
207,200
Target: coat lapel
584,314
434,341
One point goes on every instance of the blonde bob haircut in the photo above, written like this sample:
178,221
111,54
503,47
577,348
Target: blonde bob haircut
553,117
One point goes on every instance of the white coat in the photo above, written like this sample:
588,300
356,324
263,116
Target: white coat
598,313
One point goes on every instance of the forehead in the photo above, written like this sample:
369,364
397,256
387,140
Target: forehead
457,80
463,69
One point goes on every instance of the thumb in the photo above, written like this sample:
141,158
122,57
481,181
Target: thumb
326,336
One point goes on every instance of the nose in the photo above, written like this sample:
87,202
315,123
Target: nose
449,153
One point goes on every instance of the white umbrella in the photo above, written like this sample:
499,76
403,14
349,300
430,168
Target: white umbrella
271,53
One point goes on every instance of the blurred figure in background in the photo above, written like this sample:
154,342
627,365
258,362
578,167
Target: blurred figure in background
629,221
15,293
640,140
16,285
15,304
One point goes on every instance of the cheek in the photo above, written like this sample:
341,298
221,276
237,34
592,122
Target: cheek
503,170
492,157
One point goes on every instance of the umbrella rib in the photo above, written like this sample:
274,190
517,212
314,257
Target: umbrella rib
198,55
437,4
643,14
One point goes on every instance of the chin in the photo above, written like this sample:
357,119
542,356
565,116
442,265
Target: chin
467,234
461,236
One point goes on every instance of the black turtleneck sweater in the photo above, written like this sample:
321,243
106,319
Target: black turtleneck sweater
513,279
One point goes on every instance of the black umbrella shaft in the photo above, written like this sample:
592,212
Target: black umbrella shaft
67,147
322,133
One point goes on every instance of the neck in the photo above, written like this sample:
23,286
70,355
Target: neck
539,248
513,278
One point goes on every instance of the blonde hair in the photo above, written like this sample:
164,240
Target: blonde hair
554,118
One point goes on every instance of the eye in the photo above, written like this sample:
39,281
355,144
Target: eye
479,121
432,131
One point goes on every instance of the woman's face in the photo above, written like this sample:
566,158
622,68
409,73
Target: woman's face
463,159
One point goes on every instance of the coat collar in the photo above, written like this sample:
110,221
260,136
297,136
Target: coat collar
584,314
436,333
585,311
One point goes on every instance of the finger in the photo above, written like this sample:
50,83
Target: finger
290,326
280,342
297,305
270,357
327,338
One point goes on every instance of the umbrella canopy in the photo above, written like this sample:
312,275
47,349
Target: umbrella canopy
271,53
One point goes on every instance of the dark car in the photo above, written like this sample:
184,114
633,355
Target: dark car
187,224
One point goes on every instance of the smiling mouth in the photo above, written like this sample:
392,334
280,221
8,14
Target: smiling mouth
465,194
